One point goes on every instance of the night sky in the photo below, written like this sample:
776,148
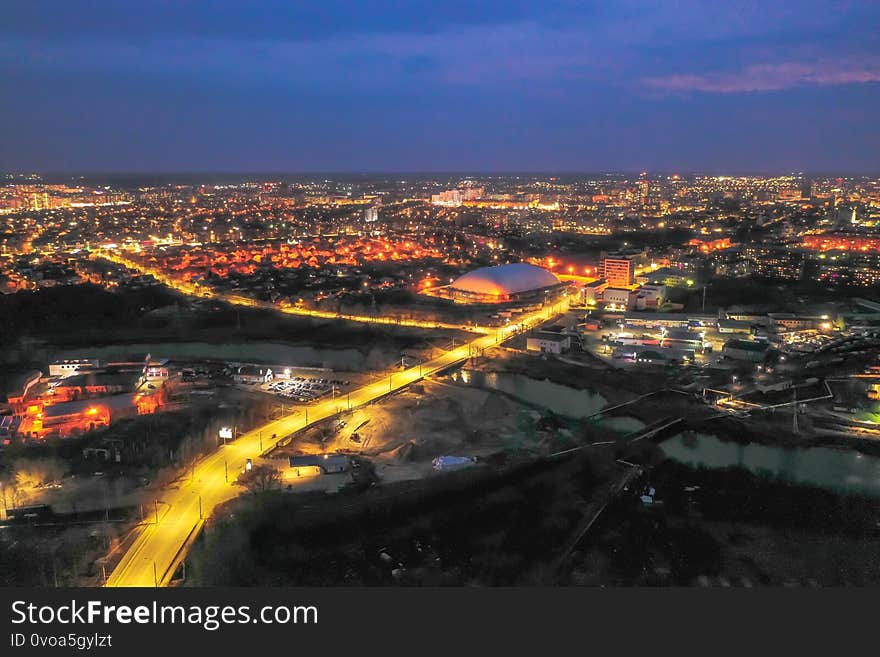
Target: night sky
339,85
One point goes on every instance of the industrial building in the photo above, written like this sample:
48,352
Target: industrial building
548,342
87,414
651,355
670,277
319,463
69,367
648,297
616,298
93,384
593,291
252,374
753,351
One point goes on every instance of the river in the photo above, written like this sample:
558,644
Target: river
841,470
572,403
248,352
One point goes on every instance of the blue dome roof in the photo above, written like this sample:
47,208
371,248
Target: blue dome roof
505,279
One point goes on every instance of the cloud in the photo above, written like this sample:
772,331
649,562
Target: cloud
768,77
466,56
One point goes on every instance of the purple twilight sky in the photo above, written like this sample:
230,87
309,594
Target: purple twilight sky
440,86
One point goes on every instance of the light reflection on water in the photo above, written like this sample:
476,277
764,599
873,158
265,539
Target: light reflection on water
841,470
574,403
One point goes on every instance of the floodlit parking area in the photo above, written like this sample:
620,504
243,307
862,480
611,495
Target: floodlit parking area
305,388
808,341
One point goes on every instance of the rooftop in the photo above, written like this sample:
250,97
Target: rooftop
505,280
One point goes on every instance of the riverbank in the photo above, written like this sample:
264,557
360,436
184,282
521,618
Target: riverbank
402,433
56,323
474,527
613,385
730,527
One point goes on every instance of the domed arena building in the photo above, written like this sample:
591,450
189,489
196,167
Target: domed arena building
514,283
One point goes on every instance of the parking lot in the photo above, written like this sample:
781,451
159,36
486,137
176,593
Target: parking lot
304,388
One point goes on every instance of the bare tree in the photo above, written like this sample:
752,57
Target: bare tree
260,478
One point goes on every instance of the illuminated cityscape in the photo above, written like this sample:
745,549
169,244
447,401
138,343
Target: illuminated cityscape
361,302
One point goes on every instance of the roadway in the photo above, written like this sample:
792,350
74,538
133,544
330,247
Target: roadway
201,291
161,544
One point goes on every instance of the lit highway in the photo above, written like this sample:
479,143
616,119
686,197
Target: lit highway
163,542
205,292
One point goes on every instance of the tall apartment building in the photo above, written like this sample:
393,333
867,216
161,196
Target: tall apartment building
619,270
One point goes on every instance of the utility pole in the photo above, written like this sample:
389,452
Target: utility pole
155,575
200,508
156,507
226,470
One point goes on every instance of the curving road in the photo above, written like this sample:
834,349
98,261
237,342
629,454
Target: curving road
160,546
208,293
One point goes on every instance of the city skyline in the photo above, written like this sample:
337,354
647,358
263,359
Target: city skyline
433,295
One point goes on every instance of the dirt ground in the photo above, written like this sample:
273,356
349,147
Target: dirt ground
404,432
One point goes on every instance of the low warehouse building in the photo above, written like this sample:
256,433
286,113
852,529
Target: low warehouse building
548,343
325,463
616,298
752,351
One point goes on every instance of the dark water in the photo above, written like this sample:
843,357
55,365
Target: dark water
562,400
844,471
259,352
573,403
